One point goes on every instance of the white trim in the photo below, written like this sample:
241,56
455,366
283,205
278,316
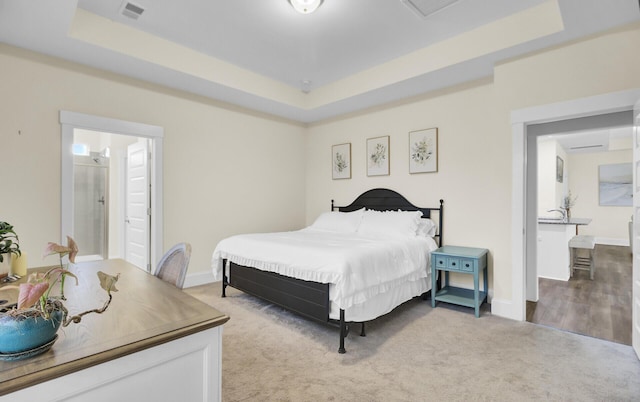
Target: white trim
73,120
199,278
501,307
595,105
90,122
573,109
555,278
517,305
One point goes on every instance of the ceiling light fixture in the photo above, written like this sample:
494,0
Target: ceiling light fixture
305,6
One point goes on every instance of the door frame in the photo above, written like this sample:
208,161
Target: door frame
72,120
523,214
635,292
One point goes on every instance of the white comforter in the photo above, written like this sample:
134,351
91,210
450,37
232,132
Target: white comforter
359,267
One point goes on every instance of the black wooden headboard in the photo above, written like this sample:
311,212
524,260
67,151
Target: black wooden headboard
383,199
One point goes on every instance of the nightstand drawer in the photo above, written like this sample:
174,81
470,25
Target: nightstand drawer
453,263
441,262
450,263
466,265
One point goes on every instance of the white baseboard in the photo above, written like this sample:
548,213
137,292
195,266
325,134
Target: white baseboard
555,279
198,278
504,308
611,241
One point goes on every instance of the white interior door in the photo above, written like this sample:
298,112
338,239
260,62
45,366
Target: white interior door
636,230
138,205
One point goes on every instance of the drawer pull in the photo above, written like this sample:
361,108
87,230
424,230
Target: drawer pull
467,265
453,264
440,262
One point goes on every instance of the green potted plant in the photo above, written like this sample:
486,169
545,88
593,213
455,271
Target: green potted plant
29,326
8,241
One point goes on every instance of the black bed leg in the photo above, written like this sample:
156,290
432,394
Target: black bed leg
362,332
343,332
224,278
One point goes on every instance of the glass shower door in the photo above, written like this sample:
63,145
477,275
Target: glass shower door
90,198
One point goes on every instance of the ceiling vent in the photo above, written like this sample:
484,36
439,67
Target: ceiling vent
425,8
131,10
588,146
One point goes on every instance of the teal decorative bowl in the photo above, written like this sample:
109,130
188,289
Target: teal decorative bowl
20,334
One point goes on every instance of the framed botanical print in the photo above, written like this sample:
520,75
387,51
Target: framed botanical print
341,161
378,156
423,151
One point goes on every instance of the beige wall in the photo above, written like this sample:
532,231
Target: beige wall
546,176
226,171
475,140
212,150
550,191
473,165
609,224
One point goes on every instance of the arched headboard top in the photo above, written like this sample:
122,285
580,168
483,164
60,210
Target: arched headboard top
384,199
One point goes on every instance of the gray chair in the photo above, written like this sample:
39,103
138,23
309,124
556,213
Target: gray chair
172,267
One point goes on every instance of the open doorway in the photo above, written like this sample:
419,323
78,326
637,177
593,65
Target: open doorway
111,197
557,297
91,203
523,209
116,138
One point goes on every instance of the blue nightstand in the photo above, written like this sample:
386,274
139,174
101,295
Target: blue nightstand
464,260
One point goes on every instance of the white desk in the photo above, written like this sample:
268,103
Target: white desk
155,342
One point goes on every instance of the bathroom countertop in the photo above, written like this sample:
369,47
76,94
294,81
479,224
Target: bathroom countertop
571,221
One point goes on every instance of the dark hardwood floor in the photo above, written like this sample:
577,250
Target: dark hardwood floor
600,308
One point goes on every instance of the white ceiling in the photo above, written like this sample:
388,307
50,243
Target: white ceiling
589,141
258,54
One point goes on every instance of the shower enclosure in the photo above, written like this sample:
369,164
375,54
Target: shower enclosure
91,205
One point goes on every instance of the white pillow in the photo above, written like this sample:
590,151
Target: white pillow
342,222
390,223
426,228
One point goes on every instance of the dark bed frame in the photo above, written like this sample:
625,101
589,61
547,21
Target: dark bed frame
311,299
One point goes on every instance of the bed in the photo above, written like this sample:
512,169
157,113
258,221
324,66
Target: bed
337,270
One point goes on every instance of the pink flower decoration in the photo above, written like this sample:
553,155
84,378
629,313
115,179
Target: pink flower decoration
30,293
73,249
54,248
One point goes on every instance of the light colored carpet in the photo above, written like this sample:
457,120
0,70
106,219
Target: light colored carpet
415,353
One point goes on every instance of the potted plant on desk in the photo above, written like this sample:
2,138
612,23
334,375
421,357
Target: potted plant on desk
29,327
8,246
